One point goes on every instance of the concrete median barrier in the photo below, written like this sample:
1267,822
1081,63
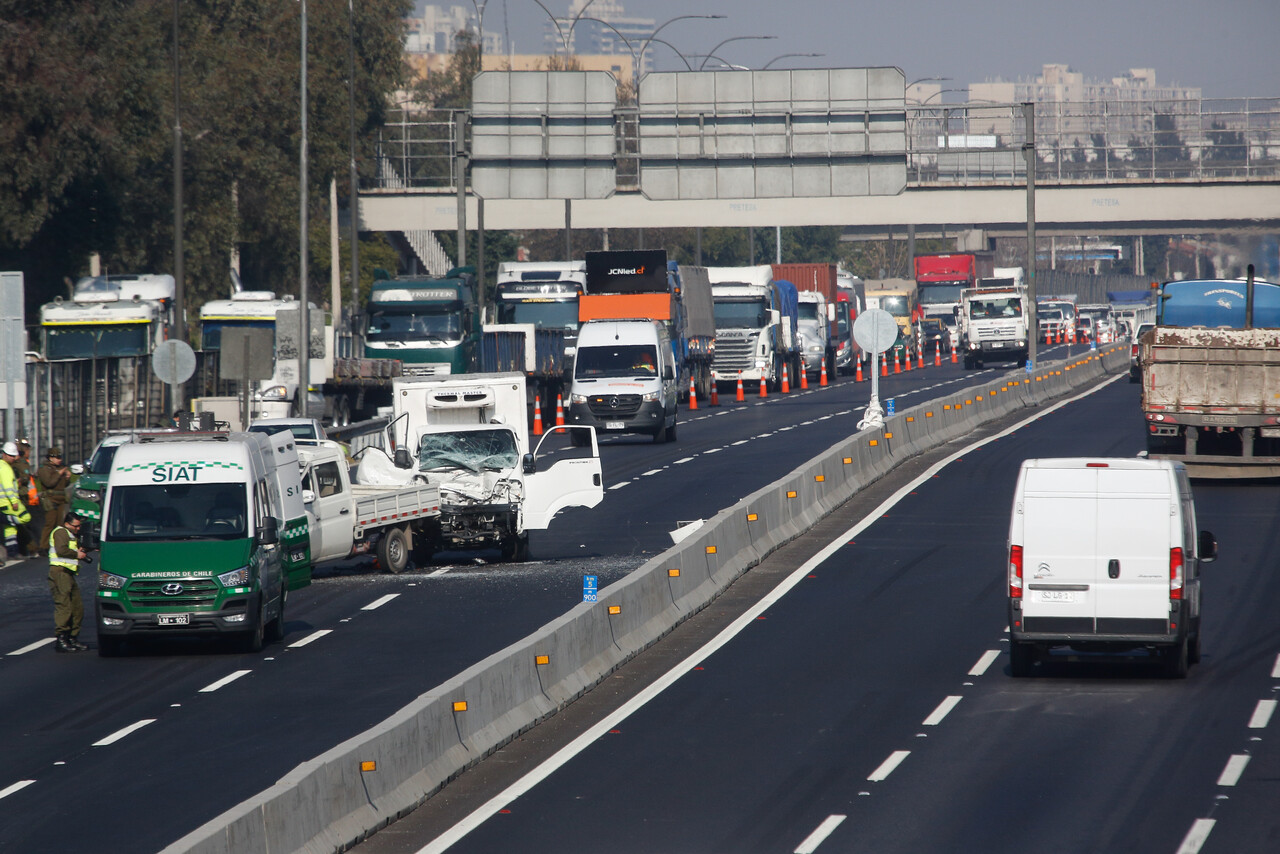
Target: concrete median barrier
333,800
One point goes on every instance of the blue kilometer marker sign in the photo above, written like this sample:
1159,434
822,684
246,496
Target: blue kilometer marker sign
590,584
891,407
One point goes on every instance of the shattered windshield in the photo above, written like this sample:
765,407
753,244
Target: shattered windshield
474,450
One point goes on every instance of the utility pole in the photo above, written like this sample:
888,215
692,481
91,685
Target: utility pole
179,330
304,321
1029,152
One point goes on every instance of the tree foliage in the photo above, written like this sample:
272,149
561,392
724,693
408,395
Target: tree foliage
87,126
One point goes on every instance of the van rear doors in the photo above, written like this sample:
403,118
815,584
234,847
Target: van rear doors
1096,540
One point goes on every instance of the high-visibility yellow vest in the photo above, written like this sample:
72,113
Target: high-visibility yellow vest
71,564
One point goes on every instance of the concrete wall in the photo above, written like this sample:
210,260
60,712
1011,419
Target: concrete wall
328,802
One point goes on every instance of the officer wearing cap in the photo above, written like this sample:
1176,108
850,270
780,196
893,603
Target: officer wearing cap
52,479
65,555
11,504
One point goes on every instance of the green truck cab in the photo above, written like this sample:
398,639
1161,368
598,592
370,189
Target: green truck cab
431,325
201,535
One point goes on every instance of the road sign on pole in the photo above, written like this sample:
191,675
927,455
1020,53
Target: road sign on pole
874,330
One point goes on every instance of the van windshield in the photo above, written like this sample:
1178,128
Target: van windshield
621,360
177,511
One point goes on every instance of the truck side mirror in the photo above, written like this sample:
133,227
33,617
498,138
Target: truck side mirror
269,532
831,311
775,317
668,374
308,497
530,464
402,459
1207,547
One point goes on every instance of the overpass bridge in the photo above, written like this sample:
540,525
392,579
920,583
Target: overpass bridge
1101,168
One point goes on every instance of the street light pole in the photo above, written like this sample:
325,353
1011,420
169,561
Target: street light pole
179,330
711,52
654,35
786,55
353,208
1029,151
304,321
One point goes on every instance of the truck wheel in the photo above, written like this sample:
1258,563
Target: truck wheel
1022,657
110,647
1175,660
660,436
393,551
671,431
516,549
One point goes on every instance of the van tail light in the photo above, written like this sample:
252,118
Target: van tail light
1175,573
1015,572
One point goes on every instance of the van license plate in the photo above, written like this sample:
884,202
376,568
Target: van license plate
1057,595
614,425
174,619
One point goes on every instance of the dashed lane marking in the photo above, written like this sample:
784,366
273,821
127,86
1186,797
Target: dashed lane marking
225,680
378,603
119,734
314,636
887,767
1262,714
819,835
944,708
1235,767
1196,836
988,658
15,787
32,647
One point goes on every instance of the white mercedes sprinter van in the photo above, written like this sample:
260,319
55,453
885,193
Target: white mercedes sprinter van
624,379
1104,557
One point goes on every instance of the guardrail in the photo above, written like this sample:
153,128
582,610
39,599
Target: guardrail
328,802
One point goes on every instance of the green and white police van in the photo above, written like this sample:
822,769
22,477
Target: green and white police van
202,534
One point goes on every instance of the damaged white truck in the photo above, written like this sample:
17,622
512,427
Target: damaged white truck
467,434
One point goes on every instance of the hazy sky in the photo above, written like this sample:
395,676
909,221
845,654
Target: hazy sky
1229,48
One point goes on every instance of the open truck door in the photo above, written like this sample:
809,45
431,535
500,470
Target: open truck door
573,482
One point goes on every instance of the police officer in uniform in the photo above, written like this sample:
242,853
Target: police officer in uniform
13,510
65,555
52,479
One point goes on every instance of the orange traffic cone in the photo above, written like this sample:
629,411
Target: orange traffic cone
786,380
907,359
693,395
884,366
559,412
764,386
954,358
920,357
897,360
857,378
715,394
741,396
1048,338
937,355
537,415
1059,334
822,374
804,379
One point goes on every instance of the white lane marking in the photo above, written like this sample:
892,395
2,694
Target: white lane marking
119,734
225,680
309,638
748,618
378,603
1235,767
944,708
646,474
16,787
713,450
735,444
986,661
678,462
32,647
1275,670
813,840
780,429
437,572
620,485
886,767
1262,714
1196,836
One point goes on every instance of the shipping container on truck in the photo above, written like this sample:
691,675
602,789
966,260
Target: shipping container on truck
822,279
940,278
643,285
1211,377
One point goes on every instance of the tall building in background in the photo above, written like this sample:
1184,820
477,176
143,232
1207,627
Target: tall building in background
619,36
433,29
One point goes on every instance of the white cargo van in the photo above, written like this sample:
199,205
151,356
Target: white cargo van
1104,557
624,379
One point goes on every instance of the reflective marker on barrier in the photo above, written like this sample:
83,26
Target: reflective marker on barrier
711,550
847,460
791,493
751,517
368,766
615,609
459,705
542,659
673,573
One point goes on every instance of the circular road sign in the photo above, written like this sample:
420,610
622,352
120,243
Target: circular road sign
875,330
173,362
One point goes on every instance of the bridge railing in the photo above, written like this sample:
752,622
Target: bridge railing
968,144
